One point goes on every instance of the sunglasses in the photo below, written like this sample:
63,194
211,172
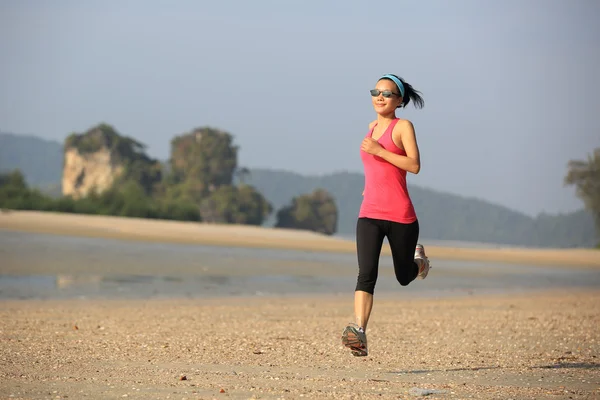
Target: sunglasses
385,93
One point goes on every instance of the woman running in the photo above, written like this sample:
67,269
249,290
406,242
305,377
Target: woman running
388,152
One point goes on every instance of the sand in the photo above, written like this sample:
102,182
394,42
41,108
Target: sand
252,236
535,346
525,345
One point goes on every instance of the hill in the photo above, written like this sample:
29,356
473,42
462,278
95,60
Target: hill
40,160
443,216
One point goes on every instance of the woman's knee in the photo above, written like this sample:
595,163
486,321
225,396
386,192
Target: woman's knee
366,281
407,273
368,287
405,280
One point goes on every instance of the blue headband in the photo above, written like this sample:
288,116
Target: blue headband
396,81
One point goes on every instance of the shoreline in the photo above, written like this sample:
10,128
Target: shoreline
164,231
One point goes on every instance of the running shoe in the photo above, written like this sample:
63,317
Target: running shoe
422,261
355,339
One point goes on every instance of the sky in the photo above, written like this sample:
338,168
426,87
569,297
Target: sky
511,88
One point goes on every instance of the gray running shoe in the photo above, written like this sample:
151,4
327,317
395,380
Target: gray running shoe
422,261
355,339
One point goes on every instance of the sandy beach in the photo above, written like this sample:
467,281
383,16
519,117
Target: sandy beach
541,346
537,341
260,237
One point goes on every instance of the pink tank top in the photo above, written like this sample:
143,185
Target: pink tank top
386,195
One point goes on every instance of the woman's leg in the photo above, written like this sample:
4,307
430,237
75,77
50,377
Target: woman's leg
403,241
369,239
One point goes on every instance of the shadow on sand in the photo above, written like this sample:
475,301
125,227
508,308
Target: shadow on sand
551,366
427,371
571,365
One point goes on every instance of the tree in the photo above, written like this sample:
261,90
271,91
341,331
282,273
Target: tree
585,175
235,205
106,136
203,168
316,212
206,157
15,195
14,179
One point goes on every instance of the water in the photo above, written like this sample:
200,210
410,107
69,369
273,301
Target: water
51,266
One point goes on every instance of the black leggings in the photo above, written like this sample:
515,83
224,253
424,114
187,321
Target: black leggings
369,239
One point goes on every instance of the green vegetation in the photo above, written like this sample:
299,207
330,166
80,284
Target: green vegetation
198,186
442,216
105,136
203,165
14,194
316,211
235,205
585,175
206,157
130,200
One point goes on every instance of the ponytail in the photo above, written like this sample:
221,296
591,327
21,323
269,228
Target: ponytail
409,93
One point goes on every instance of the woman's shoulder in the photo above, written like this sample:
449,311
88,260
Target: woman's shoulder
372,124
402,129
402,121
403,124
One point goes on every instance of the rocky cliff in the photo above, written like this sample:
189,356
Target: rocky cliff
99,157
84,171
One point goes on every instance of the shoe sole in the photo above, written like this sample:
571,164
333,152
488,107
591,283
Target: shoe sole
351,340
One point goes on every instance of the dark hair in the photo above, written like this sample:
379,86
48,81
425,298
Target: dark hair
410,93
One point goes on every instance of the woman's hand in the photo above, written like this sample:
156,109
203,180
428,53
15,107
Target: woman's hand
371,146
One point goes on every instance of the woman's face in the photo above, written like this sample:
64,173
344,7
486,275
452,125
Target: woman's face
386,105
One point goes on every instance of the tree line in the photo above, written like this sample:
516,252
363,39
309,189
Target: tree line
197,184
153,191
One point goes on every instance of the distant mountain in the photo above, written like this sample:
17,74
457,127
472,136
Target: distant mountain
38,159
442,216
